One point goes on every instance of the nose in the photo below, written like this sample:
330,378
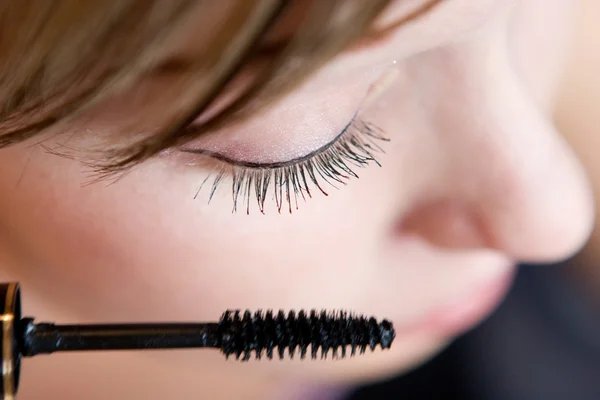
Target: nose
510,181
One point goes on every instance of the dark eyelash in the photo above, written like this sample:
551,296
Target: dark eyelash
332,164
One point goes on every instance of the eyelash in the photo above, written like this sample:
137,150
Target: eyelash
333,163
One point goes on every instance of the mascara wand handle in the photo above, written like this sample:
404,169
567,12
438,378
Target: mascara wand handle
21,337
46,338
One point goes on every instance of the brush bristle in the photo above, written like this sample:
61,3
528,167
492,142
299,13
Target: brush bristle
269,333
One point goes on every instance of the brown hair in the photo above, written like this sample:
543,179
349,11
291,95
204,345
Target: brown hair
59,58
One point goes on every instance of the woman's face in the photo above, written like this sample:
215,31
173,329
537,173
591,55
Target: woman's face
474,179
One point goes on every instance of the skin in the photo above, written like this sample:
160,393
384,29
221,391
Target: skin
475,179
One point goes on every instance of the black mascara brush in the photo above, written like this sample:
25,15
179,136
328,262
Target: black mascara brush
237,333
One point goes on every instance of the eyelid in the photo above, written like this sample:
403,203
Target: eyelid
271,165
318,128
355,146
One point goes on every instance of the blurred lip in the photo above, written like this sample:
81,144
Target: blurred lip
463,313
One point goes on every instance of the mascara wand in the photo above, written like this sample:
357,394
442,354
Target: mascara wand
237,333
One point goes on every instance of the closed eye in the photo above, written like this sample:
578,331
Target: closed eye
289,181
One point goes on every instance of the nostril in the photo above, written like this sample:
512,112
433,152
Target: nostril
447,224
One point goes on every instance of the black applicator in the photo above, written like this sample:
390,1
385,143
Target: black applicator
237,333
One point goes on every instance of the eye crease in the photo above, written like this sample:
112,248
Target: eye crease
332,164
